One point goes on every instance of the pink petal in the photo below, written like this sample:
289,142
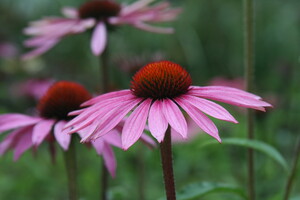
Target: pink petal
210,108
40,50
135,6
98,42
175,117
23,143
109,159
156,121
135,124
98,145
154,29
89,116
148,141
41,130
202,120
63,139
212,89
12,138
111,119
90,113
106,96
70,12
12,121
113,138
234,98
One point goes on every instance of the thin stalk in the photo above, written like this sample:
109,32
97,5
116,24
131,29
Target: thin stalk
141,173
167,165
71,168
293,173
249,77
104,76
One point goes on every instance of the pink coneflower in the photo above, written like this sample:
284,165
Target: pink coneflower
30,131
97,14
159,93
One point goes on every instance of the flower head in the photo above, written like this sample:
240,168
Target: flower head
159,93
97,14
60,99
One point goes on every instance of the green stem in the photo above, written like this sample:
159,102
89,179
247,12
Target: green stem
71,168
292,175
167,165
104,182
249,76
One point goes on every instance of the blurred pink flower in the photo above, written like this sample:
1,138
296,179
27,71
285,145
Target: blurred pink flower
157,93
33,88
8,50
97,14
30,131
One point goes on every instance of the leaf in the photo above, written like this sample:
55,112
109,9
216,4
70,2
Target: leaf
197,190
254,144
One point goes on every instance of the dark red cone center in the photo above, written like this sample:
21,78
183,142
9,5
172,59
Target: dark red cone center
99,9
62,98
159,80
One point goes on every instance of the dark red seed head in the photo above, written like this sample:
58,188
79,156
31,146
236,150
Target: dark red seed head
159,80
62,98
99,9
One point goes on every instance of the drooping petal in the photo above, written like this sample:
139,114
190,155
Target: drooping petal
148,141
109,159
175,117
154,29
135,6
98,42
214,89
70,12
202,120
98,145
40,50
135,124
210,108
113,138
110,120
24,142
11,121
100,98
63,139
12,139
41,130
156,121
235,98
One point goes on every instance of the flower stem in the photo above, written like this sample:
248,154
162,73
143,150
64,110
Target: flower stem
292,175
249,77
71,168
103,61
167,165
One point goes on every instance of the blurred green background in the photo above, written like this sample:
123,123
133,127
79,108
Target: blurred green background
209,43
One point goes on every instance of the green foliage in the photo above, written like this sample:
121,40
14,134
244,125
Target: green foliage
254,144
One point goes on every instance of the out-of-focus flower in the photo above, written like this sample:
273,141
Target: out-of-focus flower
97,14
33,88
30,131
157,93
8,50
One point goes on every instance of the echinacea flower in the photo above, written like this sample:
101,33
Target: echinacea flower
30,131
159,93
97,14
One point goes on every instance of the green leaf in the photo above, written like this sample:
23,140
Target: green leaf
197,190
254,144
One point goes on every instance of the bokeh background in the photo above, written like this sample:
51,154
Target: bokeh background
209,43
